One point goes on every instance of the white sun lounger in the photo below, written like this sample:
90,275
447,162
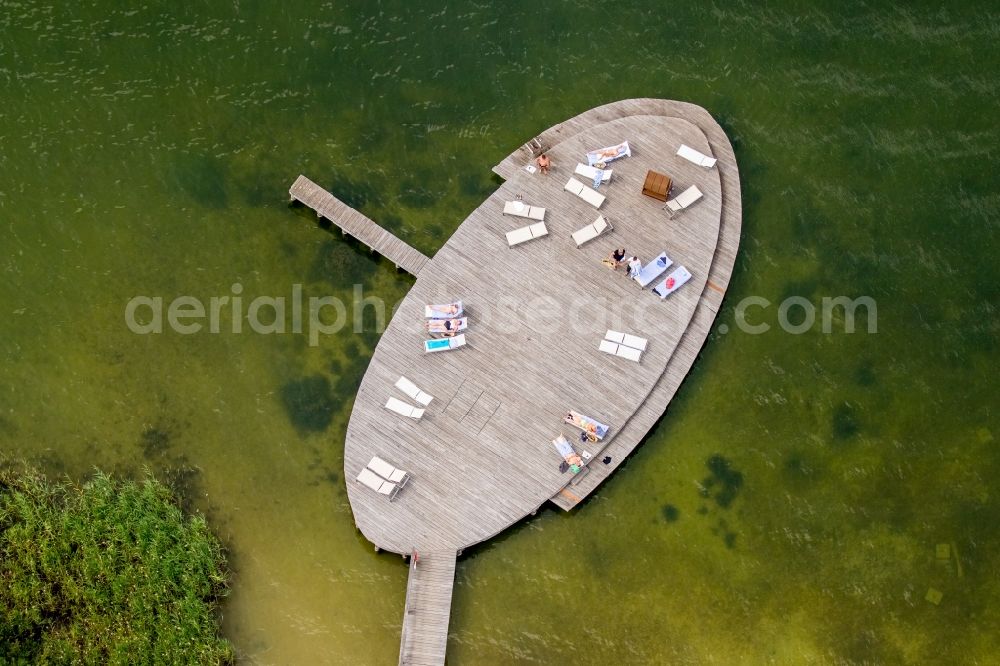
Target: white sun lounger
673,282
653,270
404,409
411,390
592,230
591,173
684,199
444,344
527,233
443,311
521,209
591,196
692,155
633,341
388,472
378,484
624,351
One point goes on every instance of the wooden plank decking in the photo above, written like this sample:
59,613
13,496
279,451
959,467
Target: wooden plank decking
715,287
356,225
428,608
481,458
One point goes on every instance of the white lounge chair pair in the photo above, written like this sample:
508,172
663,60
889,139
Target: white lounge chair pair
624,345
593,174
592,230
521,209
653,270
699,158
444,344
383,478
683,200
412,391
527,233
591,196
673,282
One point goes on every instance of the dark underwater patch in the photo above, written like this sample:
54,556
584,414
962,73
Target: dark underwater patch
864,375
844,422
724,481
309,403
341,263
155,441
670,513
354,194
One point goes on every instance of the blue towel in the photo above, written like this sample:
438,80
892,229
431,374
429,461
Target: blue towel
597,178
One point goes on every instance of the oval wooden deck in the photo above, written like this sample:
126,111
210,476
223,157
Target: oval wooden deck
481,458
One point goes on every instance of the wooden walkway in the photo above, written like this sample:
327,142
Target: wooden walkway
356,225
428,608
481,458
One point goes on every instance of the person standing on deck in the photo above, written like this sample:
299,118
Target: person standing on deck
544,163
634,266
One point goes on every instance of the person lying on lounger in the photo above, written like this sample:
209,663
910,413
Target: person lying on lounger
446,327
449,309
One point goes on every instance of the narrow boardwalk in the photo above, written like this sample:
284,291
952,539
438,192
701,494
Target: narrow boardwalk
356,225
428,607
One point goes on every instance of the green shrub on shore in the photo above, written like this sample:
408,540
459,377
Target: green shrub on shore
110,572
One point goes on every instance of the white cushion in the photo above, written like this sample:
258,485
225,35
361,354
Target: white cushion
593,197
573,185
629,353
518,236
634,341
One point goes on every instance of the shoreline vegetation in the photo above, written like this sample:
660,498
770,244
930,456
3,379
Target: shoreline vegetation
108,571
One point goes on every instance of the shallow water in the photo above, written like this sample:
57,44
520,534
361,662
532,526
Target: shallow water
787,508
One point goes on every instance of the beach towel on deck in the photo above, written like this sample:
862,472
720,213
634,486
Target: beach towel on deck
673,282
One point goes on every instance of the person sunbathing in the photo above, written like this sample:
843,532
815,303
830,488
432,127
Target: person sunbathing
450,308
446,327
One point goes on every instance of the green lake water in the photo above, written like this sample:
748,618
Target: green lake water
787,508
